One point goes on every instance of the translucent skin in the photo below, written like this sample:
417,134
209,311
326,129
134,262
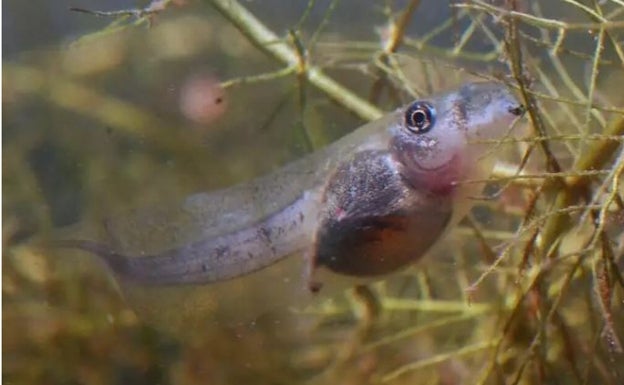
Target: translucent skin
367,205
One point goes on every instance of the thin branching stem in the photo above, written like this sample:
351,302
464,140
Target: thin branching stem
278,48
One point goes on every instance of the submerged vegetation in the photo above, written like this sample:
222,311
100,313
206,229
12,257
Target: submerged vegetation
184,96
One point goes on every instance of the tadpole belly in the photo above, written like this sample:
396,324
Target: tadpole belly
373,221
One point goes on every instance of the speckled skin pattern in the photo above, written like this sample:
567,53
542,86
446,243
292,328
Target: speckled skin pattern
372,218
367,205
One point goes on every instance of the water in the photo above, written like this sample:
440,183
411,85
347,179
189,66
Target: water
95,126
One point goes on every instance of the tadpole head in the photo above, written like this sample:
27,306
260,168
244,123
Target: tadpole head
434,138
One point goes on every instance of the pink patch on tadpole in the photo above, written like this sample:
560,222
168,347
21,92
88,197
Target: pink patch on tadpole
444,179
202,99
340,213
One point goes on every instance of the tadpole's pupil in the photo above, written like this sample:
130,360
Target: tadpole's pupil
419,118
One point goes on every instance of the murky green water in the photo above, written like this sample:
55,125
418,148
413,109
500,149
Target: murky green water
102,118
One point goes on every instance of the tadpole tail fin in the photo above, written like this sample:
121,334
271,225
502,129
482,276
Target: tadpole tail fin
212,258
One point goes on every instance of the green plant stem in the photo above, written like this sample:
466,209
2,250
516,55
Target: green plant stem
595,158
271,44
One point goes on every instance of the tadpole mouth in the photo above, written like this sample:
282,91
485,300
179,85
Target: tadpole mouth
518,110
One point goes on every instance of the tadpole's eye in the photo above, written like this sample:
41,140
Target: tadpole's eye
420,117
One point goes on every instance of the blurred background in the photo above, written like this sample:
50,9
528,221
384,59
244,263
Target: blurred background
140,107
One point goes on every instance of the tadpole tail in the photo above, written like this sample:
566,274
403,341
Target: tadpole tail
213,258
